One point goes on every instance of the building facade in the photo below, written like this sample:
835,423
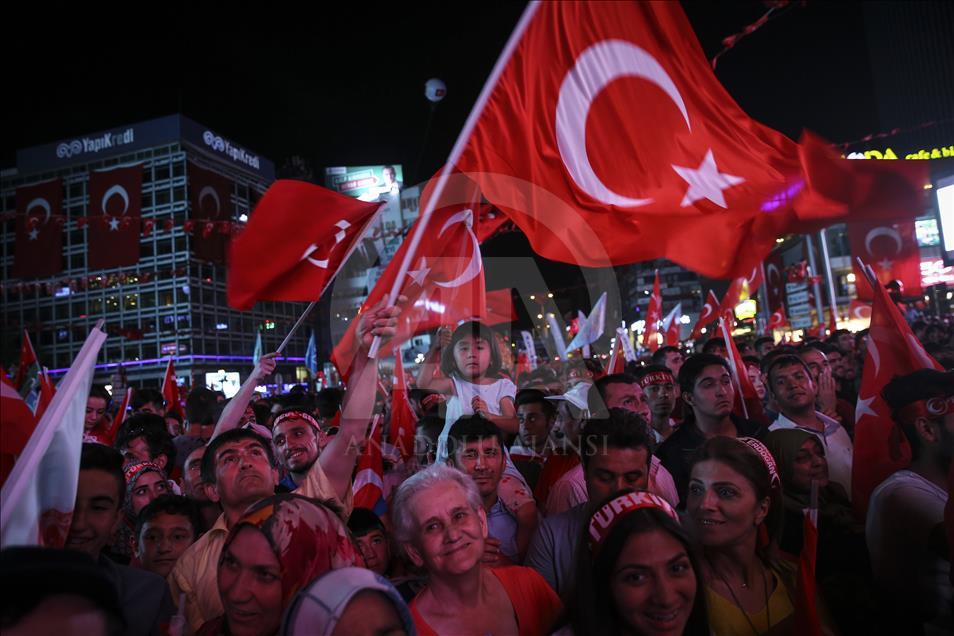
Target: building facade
169,303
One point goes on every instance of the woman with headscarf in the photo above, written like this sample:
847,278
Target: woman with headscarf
348,601
145,481
842,567
278,546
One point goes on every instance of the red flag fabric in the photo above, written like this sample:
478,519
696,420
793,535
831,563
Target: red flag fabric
210,200
115,197
368,484
17,422
710,311
403,421
880,448
307,232
662,163
47,391
444,284
674,329
732,297
170,391
500,308
774,281
747,402
29,367
123,407
778,320
617,363
653,316
806,612
891,249
39,241
860,310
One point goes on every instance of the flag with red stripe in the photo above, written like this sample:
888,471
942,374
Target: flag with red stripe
368,484
403,421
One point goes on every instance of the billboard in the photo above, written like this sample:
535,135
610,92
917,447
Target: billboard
372,183
945,215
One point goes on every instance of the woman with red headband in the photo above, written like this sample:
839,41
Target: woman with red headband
734,502
635,572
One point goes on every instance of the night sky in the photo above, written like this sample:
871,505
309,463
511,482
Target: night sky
344,86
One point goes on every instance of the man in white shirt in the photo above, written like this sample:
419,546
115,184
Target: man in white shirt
910,558
790,382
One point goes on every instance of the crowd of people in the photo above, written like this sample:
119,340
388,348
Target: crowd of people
563,499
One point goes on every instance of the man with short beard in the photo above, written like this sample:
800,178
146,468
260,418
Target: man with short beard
295,438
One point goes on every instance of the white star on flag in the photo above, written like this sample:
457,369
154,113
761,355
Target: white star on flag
706,182
864,408
113,224
886,265
34,233
418,275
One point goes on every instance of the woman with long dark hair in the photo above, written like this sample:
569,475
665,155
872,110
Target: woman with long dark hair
636,572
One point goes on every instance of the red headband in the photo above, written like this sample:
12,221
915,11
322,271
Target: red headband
296,415
656,377
766,456
603,520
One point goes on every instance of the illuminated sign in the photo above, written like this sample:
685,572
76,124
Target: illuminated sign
933,272
927,233
888,153
745,310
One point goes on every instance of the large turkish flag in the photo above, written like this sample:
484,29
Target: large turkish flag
210,199
608,140
891,249
115,200
298,237
39,241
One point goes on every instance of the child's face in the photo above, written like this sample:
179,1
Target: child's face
472,356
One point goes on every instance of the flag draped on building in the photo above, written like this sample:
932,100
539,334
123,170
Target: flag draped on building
307,231
880,448
891,249
602,172
39,239
210,203
115,200
39,494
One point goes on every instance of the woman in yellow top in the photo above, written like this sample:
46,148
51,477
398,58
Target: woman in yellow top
734,502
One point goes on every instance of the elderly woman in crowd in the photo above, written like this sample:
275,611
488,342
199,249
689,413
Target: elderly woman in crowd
635,572
348,601
441,524
278,546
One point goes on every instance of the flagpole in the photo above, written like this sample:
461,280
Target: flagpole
452,159
26,466
829,279
295,327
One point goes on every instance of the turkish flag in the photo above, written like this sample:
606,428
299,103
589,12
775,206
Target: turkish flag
368,486
778,320
403,421
170,391
710,311
860,310
774,281
28,369
732,297
880,448
210,200
747,402
39,242
653,316
891,248
443,285
295,242
608,140
17,423
115,197
806,613
47,391
674,326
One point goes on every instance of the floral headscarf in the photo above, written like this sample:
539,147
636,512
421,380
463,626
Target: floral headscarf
308,538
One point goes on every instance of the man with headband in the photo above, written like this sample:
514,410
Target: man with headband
659,386
295,438
910,557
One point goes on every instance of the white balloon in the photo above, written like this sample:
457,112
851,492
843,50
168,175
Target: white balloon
435,90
